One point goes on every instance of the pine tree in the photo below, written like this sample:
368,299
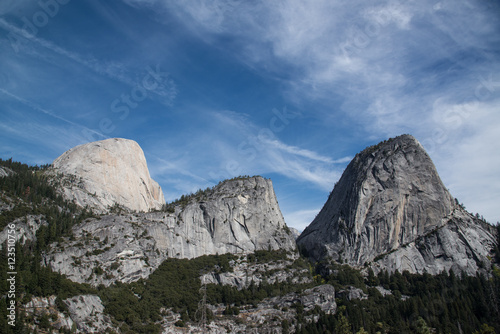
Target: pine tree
422,327
342,326
485,329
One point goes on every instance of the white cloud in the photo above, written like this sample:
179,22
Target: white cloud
392,12
466,155
259,149
297,151
357,50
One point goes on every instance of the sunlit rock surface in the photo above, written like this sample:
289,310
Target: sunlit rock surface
105,173
391,210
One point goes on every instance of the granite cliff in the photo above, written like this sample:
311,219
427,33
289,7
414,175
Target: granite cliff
237,216
390,210
106,173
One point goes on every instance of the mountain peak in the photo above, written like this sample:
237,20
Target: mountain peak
104,173
389,196
392,145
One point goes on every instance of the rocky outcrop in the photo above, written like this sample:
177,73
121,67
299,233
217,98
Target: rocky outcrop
352,293
243,273
78,314
6,203
87,312
464,244
237,216
322,296
39,307
5,171
268,315
105,173
25,228
391,210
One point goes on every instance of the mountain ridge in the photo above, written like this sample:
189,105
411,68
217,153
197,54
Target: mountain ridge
238,216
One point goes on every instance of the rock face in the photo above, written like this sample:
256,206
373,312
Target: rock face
87,312
83,314
108,172
5,171
26,228
295,232
238,216
391,209
243,273
464,244
40,306
267,316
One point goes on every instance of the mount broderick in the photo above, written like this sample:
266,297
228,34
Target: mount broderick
390,210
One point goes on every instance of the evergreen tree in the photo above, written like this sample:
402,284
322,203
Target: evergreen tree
342,326
422,327
485,329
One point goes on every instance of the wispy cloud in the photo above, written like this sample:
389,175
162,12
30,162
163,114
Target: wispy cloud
387,62
231,145
259,149
21,42
39,109
465,152
165,88
293,150
51,139
360,51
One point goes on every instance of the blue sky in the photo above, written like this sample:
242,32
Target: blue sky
287,89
